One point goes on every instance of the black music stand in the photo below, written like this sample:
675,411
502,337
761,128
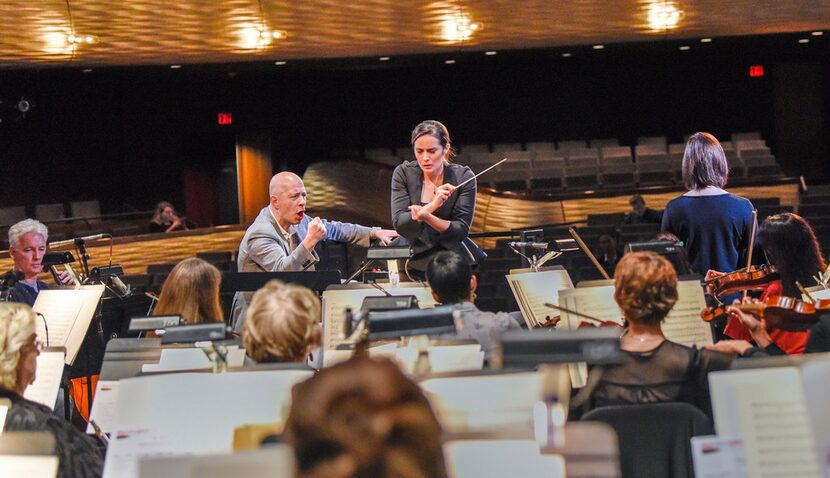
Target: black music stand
317,281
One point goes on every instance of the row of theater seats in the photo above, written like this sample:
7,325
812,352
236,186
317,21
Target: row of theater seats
583,165
90,210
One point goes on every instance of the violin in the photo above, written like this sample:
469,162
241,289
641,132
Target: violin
755,278
785,313
587,320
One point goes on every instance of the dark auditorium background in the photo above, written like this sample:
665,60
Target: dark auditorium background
130,136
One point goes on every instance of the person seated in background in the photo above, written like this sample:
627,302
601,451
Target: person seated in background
640,214
27,245
363,418
609,253
452,282
165,219
653,369
192,291
791,247
282,324
78,454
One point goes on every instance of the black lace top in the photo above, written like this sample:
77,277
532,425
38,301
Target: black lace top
79,454
668,373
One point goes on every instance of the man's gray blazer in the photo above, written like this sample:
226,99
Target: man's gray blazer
263,249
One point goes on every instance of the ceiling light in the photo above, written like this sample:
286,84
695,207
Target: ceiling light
87,70
256,37
598,47
175,67
817,34
449,62
456,28
663,16
804,40
280,63
279,35
705,40
384,58
566,55
685,48
491,53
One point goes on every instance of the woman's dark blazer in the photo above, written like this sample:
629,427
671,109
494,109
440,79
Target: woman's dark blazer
407,183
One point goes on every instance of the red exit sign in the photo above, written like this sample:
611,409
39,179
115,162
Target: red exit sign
756,71
224,119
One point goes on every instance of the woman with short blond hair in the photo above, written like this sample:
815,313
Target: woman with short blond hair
282,323
78,454
192,291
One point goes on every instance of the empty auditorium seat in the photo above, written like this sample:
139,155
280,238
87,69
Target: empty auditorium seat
762,166
11,215
540,146
475,148
604,143
618,175
569,145
161,269
507,147
765,201
88,209
610,219
745,136
581,177
50,212
652,141
374,153
655,172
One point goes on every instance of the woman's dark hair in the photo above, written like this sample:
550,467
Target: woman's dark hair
448,275
437,130
364,418
791,246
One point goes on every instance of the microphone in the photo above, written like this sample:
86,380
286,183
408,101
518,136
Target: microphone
77,240
532,245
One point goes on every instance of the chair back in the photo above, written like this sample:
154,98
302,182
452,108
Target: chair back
654,438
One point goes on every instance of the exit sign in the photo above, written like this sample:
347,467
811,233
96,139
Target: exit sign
756,71
224,119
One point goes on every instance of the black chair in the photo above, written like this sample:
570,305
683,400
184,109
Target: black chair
654,438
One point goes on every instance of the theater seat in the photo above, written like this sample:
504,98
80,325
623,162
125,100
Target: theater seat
654,438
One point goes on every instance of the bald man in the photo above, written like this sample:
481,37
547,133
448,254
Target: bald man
283,237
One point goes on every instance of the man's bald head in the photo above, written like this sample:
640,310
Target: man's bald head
288,198
282,182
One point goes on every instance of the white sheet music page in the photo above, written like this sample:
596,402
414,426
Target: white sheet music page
817,395
533,289
336,301
50,365
127,447
68,313
597,302
683,324
30,466
766,409
103,405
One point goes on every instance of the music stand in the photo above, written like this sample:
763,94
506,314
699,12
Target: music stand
317,281
523,349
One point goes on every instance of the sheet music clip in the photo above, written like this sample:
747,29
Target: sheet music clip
217,354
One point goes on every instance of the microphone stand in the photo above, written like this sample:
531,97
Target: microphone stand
80,245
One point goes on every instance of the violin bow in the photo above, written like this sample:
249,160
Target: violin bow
587,251
578,314
751,243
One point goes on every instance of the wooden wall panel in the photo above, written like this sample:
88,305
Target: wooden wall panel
253,171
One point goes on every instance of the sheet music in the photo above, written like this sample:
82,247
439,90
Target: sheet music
533,289
683,324
191,359
271,461
103,405
331,357
68,313
444,358
336,301
127,447
203,409
468,458
4,410
31,466
766,408
48,379
718,457
486,402
814,375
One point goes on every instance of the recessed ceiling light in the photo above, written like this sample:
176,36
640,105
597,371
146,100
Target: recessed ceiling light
817,34
456,28
491,53
705,40
449,62
566,55
384,58
803,40
685,48
663,16
280,63
175,67
598,47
